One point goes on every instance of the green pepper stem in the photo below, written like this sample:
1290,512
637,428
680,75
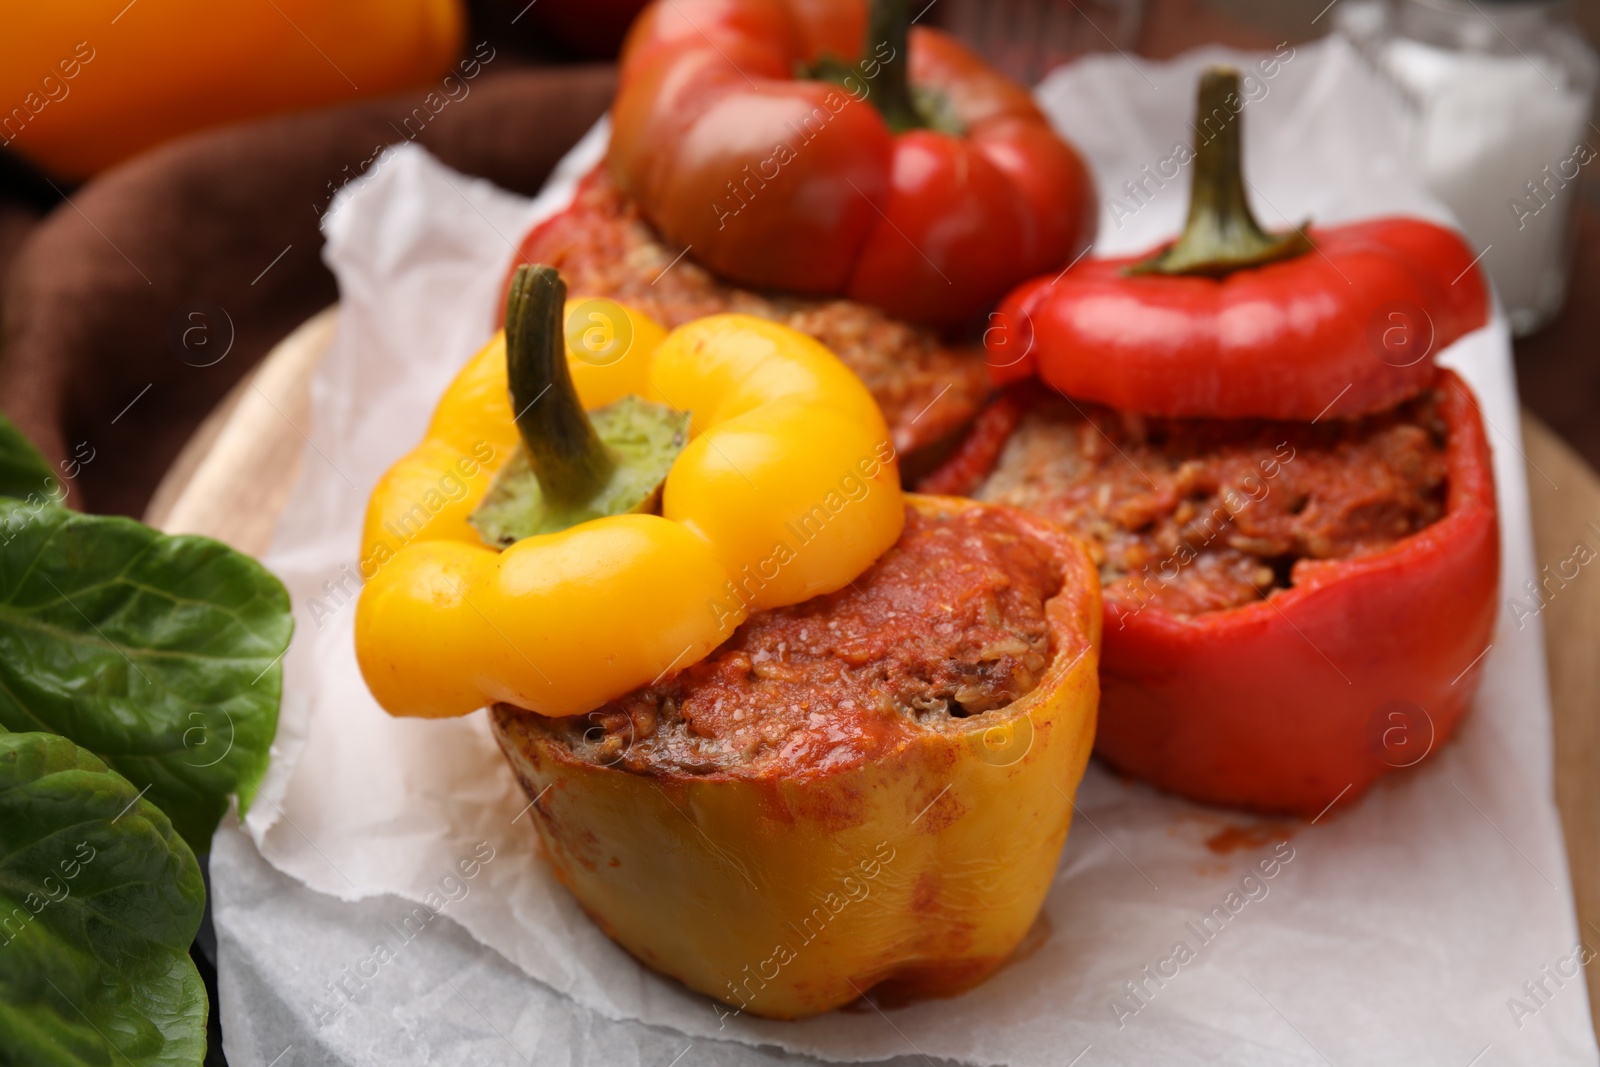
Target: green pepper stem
889,34
570,460
1221,234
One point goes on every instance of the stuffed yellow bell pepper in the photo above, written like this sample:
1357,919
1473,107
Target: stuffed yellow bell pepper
868,789
788,734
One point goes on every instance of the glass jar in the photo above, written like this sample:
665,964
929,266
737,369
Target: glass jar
1500,91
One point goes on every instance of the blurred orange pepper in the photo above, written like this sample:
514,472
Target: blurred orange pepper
87,84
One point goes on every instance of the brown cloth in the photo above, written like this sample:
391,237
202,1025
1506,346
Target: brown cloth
118,304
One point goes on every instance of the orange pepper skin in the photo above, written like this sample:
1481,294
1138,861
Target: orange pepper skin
87,84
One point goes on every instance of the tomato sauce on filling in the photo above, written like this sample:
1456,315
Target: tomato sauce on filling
603,247
949,623
1198,515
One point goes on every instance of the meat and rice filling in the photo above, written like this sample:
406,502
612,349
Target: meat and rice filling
1197,515
949,623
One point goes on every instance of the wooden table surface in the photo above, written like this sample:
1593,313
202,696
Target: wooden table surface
234,477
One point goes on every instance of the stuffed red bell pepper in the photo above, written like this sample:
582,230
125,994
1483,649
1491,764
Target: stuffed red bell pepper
793,197
1291,506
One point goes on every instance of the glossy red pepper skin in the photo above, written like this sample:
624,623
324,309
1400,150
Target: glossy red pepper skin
777,182
1333,333
1292,703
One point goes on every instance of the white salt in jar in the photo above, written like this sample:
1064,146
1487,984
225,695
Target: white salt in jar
1501,92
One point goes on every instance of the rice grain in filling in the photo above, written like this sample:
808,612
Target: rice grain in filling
1198,515
948,624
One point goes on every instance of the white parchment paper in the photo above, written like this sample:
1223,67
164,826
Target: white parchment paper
1399,931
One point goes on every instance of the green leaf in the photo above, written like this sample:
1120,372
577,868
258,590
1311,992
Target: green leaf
99,900
23,471
160,654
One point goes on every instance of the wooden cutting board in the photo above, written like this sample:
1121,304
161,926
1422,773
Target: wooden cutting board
233,479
